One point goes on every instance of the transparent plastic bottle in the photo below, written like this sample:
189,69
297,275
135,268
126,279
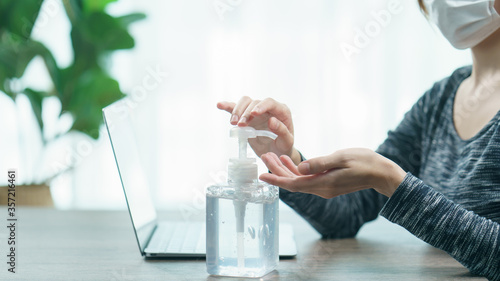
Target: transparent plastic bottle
242,218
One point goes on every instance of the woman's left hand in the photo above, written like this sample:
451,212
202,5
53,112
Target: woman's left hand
341,172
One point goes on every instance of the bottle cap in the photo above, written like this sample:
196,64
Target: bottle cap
244,169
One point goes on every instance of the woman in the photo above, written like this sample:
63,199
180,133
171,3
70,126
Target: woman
437,174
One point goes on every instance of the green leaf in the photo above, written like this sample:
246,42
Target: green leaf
52,67
94,90
73,10
19,16
84,88
107,32
16,54
85,51
126,20
5,7
95,5
36,99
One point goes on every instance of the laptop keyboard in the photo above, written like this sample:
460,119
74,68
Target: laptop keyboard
178,237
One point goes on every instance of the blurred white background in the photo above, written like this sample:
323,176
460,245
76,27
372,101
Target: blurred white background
348,70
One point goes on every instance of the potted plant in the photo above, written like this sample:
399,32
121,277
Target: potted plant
83,88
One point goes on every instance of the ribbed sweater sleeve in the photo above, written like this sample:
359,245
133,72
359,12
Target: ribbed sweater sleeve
472,240
457,209
339,217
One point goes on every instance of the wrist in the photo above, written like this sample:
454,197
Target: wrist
393,175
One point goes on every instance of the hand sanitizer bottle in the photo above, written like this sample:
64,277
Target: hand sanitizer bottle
242,217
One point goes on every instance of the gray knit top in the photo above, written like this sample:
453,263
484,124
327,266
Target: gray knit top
450,197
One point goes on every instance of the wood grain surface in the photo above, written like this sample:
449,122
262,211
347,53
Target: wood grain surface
100,245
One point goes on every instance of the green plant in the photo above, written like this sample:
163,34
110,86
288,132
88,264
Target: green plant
85,86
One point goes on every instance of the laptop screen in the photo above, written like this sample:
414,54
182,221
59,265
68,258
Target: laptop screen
119,119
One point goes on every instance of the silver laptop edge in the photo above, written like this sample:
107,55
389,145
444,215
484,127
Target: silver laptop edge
143,235
144,219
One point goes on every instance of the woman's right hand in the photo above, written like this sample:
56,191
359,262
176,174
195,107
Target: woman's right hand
267,114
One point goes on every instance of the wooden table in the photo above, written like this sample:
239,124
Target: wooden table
100,245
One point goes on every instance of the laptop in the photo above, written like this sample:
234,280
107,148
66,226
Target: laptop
156,239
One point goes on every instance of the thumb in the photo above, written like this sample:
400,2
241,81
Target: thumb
321,164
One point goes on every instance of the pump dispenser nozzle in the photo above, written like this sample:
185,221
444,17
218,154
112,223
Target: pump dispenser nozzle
243,170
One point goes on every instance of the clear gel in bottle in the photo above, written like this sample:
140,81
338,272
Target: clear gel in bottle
242,217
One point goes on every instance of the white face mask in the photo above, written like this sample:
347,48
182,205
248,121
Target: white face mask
465,23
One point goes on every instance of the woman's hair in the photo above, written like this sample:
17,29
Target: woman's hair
422,7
